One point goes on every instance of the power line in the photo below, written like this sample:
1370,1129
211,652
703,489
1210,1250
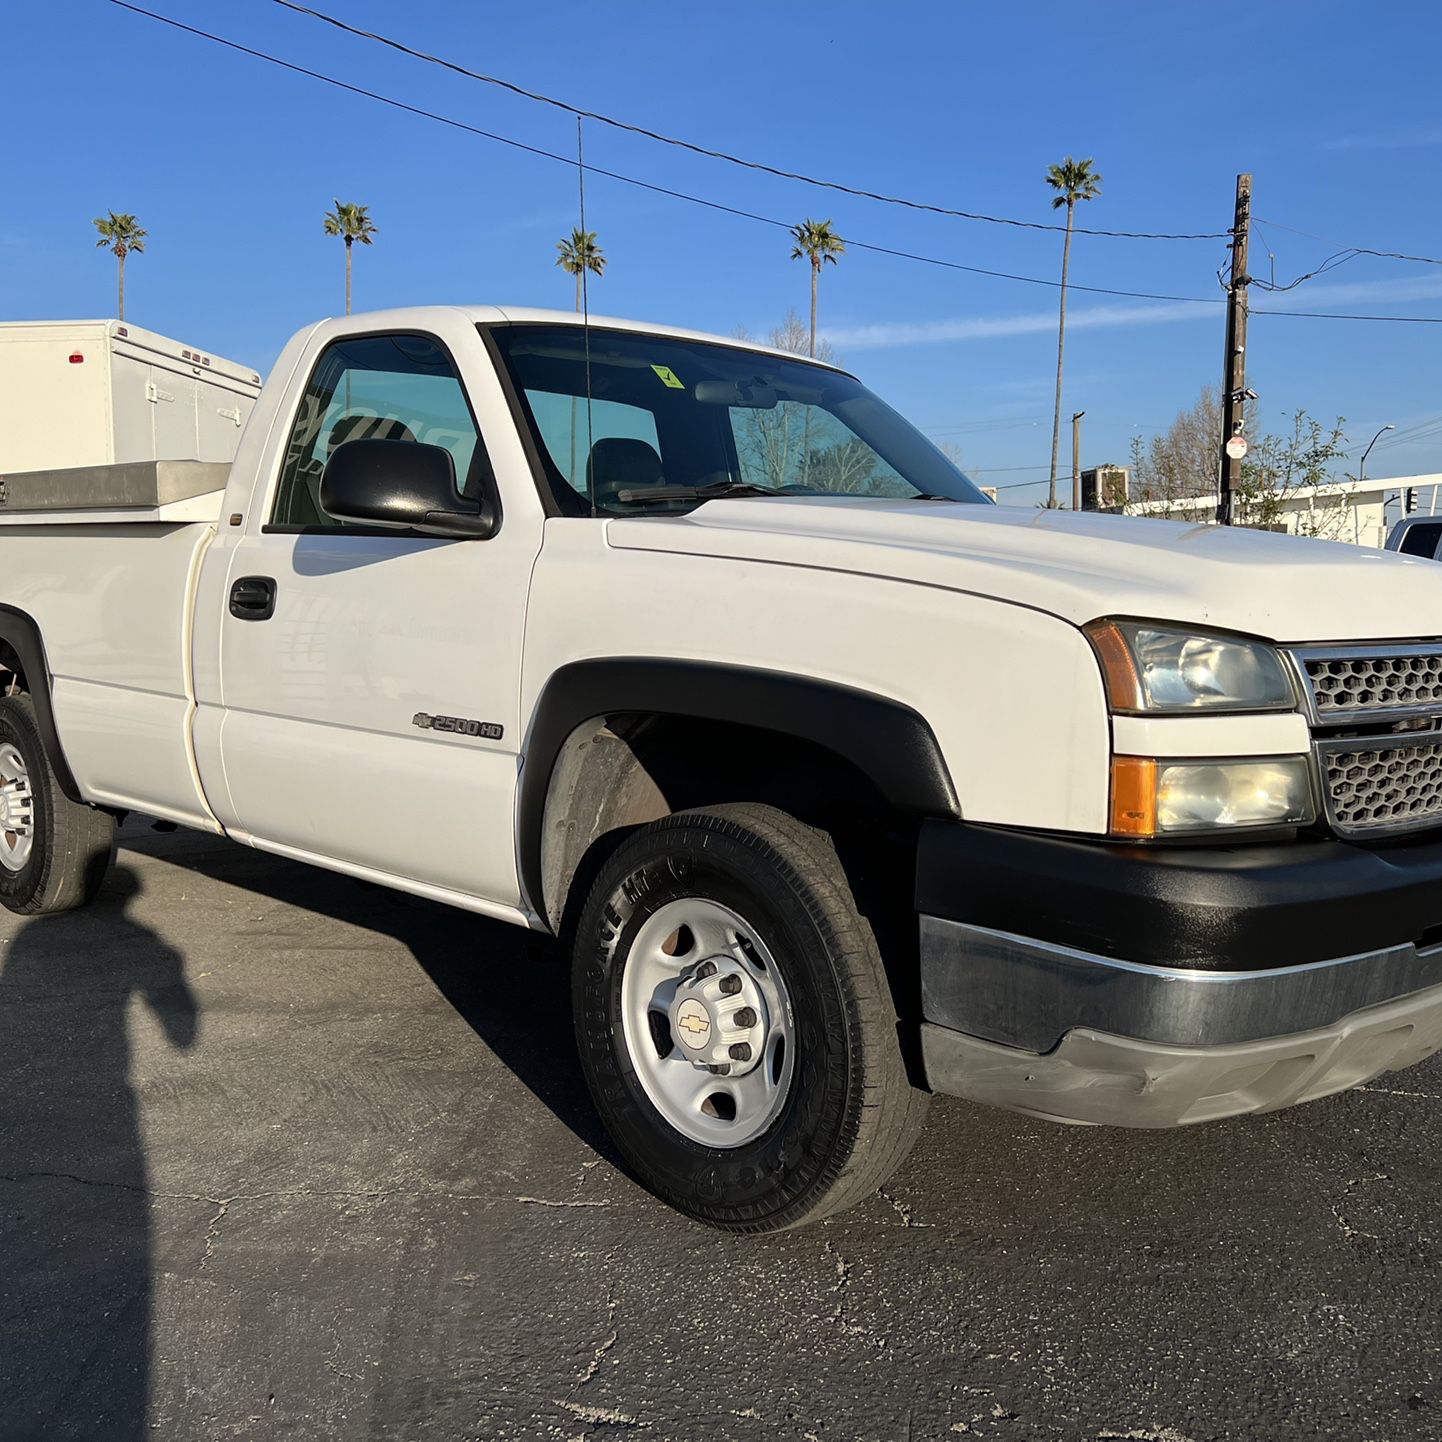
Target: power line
1333,315
633,180
716,205
642,130
1360,249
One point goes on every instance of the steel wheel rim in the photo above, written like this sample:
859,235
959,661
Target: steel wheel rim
17,810
715,1109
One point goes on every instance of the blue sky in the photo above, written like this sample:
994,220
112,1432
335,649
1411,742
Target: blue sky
231,163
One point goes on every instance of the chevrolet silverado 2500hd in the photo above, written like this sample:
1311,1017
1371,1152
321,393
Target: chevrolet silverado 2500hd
841,784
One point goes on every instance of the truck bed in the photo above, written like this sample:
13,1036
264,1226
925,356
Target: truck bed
131,492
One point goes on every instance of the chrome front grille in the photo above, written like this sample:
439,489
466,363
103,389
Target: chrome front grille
1343,683
1382,785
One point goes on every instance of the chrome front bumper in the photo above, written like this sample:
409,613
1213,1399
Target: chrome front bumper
1079,1037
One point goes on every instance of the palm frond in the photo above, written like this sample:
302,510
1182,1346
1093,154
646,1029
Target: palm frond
120,232
817,242
351,222
580,251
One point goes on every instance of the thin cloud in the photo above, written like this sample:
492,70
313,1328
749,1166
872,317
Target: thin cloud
894,333
884,334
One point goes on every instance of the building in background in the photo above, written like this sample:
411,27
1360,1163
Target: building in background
1337,511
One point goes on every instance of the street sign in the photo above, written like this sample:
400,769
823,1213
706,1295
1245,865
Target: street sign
1236,447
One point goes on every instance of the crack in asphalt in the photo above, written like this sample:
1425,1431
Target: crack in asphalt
1144,1434
1393,1092
839,1313
1350,1232
594,1365
601,1416
902,1210
550,1202
223,1205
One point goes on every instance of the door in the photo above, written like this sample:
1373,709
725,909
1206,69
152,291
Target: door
370,678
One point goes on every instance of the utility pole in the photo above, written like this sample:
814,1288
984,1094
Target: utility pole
1076,460
1234,367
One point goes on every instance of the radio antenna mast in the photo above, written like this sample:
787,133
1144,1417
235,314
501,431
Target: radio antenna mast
585,313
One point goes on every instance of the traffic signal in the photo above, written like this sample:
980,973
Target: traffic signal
1409,500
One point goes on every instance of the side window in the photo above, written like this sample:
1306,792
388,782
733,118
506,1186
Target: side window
621,440
387,387
1421,540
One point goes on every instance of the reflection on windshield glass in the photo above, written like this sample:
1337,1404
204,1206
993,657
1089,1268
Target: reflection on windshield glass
666,424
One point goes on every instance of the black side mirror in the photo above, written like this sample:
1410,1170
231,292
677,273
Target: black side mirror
405,485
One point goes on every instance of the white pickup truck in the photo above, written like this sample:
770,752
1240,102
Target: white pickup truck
841,784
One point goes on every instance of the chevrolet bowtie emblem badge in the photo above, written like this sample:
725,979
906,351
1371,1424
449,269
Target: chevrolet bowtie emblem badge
693,1021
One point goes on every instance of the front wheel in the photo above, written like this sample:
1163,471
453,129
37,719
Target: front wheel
735,1023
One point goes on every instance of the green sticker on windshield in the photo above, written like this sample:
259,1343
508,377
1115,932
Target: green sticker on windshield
669,378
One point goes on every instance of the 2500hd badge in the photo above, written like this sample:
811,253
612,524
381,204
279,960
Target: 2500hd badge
486,730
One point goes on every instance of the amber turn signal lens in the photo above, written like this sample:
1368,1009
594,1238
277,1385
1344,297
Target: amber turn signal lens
1134,796
1119,669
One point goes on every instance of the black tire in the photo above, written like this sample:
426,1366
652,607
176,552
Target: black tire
851,1114
72,844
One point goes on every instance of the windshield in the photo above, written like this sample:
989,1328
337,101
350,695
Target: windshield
670,423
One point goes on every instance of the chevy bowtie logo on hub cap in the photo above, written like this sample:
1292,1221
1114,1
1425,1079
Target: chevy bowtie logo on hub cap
694,1023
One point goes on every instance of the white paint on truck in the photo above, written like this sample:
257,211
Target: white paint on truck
355,679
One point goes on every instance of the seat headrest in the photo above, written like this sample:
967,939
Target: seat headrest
618,463
367,428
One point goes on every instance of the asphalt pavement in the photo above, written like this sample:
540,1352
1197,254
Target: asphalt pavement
285,1156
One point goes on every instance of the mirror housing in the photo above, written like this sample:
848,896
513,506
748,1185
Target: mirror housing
401,485
742,395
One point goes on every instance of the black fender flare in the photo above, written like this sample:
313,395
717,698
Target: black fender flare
884,739
22,635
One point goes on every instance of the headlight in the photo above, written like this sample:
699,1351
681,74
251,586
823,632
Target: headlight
1155,668
1171,797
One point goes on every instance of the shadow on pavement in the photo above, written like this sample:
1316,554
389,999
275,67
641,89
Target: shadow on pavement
510,986
75,1234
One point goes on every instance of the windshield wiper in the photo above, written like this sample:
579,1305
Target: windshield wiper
692,493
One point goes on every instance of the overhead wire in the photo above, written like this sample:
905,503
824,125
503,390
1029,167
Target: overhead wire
591,169
713,154
738,211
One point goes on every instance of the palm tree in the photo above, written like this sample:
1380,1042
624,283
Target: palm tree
1073,181
352,223
818,243
579,254
120,234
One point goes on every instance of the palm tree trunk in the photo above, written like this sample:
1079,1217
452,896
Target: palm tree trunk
1060,351
815,274
348,244
120,257
578,292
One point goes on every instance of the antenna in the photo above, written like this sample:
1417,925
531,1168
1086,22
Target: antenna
585,313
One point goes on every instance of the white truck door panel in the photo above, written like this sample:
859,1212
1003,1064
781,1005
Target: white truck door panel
317,736
320,747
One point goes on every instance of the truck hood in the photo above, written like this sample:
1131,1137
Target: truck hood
1076,566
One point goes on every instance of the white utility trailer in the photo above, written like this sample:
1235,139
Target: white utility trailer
104,392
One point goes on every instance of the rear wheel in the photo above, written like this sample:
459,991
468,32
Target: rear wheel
735,1023
54,852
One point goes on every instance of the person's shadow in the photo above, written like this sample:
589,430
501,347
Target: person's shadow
75,1236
